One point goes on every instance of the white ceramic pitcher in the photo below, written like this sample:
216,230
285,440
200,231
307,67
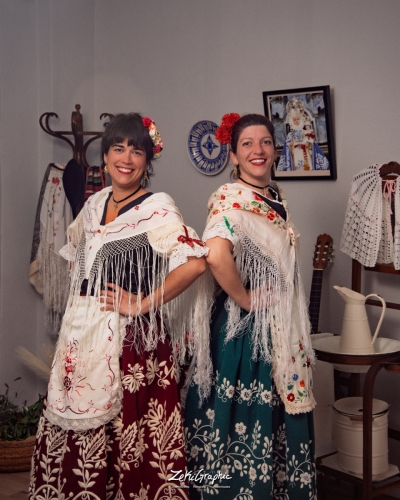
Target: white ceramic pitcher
356,335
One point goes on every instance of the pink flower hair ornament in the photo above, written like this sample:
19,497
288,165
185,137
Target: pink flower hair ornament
223,134
158,145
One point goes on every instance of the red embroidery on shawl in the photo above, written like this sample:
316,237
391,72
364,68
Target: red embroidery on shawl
133,226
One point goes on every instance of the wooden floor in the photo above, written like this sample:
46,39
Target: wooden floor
339,490
15,486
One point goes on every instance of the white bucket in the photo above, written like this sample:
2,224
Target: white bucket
348,435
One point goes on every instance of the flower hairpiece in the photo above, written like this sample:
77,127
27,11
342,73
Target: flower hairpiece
223,134
158,145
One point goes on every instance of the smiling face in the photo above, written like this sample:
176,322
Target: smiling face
126,165
255,154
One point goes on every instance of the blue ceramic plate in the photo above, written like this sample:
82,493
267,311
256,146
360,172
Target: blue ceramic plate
205,152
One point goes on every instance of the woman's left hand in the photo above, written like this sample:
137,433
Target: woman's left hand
115,298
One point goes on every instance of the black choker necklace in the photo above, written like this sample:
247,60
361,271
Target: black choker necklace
270,189
120,201
254,186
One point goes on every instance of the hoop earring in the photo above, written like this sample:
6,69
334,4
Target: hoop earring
105,168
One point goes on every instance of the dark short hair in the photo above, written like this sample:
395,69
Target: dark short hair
248,121
127,126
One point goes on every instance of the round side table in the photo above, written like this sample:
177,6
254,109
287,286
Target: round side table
387,356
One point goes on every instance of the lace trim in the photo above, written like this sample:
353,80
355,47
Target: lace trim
180,255
222,231
297,408
84,424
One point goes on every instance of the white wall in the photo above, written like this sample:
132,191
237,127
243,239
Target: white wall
179,62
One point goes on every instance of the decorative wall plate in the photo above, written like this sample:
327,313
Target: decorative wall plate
205,152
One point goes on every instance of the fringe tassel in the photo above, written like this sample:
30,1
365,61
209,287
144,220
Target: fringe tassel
54,277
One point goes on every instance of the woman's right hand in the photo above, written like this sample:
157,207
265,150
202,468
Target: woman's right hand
224,270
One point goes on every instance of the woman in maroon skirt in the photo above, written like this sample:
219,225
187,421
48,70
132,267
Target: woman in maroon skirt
112,424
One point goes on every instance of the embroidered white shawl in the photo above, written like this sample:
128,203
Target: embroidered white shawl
48,272
117,249
265,251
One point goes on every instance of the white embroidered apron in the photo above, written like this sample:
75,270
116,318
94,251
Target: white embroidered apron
76,401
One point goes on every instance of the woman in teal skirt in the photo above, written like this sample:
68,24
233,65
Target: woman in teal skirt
249,426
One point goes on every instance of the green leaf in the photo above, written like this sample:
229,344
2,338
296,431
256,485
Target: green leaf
18,422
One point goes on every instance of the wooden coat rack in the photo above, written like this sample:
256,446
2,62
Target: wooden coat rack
389,168
79,148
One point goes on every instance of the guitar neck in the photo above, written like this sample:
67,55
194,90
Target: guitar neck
315,299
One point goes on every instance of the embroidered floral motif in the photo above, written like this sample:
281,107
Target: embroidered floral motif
167,437
248,456
162,371
235,201
255,393
299,389
133,381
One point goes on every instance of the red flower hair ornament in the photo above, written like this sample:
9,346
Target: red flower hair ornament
223,134
158,145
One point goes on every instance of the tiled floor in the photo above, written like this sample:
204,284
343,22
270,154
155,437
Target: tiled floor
14,485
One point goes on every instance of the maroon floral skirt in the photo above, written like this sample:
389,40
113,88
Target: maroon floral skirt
133,456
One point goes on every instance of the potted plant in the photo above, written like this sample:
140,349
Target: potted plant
18,426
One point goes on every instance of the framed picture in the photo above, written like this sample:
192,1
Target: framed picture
302,119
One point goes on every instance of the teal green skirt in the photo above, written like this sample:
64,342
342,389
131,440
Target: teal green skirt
241,444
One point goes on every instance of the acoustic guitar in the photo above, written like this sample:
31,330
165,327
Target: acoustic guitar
322,256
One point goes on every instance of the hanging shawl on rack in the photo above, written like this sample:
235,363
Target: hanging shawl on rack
95,181
367,234
74,185
85,387
48,271
80,183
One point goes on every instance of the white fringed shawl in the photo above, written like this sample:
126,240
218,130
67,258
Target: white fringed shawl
48,271
265,251
114,253
367,230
